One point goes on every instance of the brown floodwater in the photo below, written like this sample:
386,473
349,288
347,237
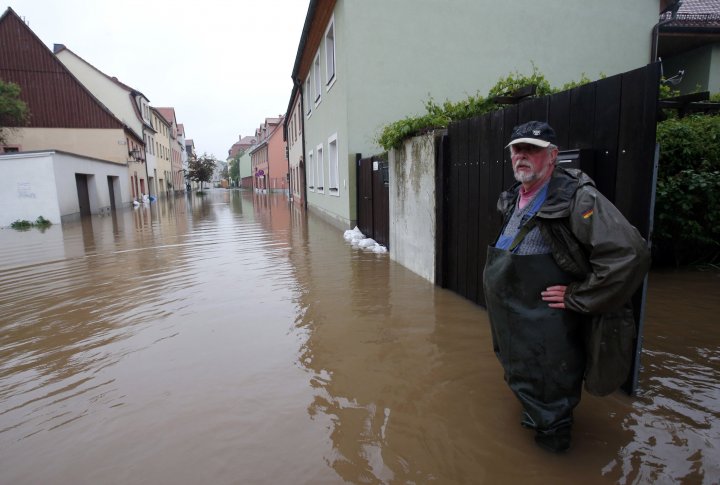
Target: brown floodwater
230,339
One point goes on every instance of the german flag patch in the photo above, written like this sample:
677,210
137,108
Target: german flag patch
588,213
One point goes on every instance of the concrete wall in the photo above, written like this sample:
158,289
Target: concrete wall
43,184
412,205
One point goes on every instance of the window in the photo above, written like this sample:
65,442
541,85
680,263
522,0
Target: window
330,53
316,76
310,169
333,178
319,169
308,96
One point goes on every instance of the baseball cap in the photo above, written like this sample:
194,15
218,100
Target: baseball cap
536,133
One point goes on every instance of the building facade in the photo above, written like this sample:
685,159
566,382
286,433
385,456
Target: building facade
363,64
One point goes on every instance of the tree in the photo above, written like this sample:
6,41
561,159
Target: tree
235,167
201,169
13,110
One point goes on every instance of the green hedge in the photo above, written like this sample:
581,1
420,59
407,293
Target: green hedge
687,206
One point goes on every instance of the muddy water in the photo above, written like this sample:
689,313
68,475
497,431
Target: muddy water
228,339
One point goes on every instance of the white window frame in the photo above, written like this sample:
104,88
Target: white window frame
310,170
320,170
317,81
330,76
333,166
308,95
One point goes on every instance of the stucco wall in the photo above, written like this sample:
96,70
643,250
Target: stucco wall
104,144
400,52
699,69
412,205
24,195
43,184
390,56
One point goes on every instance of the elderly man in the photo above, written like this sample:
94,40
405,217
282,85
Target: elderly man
558,282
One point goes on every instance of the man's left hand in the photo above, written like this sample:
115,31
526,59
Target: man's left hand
555,296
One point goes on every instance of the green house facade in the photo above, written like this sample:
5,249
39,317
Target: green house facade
362,64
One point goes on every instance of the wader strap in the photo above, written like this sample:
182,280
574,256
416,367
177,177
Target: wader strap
527,227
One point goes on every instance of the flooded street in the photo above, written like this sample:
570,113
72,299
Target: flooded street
232,340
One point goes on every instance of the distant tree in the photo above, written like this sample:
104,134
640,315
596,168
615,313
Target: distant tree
235,167
13,110
201,169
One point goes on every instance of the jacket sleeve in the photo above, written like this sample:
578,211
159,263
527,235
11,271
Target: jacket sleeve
617,253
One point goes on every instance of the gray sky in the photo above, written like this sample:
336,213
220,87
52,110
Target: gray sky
223,65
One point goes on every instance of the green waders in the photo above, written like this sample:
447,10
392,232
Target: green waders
540,348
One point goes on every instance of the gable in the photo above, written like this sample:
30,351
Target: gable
55,98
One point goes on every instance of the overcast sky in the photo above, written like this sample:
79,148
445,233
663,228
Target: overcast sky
223,65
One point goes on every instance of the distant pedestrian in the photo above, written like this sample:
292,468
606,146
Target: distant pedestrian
558,283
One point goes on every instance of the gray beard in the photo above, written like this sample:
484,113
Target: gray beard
526,177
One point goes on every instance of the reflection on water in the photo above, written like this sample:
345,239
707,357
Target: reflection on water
232,339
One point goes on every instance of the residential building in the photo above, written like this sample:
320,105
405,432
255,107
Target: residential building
241,150
183,153
190,148
162,150
127,104
361,64
294,141
64,115
245,166
688,42
243,143
269,164
177,179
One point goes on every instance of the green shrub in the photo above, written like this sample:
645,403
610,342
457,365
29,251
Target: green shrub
42,222
21,224
24,225
687,205
441,115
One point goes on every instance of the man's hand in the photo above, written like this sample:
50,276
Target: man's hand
555,296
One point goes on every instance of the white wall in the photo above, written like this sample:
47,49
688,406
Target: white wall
412,205
23,194
43,184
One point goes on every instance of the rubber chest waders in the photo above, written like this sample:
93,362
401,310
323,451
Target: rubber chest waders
540,348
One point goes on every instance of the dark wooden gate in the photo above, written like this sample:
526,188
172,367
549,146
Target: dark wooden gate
613,120
111,191
374,199
83,194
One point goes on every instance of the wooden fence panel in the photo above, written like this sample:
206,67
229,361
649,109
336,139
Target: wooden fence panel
365,196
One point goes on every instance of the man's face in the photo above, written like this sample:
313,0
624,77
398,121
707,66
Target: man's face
531,162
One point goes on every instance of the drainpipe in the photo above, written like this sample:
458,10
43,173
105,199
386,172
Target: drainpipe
673,9
299,84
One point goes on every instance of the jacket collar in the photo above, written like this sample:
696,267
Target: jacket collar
563,185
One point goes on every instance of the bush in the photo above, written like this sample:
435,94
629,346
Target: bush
24,225
687,206
440,116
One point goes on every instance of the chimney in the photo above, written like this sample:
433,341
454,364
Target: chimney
57,48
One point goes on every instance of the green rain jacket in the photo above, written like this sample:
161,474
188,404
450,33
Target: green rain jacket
594,242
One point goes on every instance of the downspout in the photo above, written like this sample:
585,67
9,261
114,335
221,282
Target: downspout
673,9
299,84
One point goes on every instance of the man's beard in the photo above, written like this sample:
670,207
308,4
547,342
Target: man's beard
525,177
